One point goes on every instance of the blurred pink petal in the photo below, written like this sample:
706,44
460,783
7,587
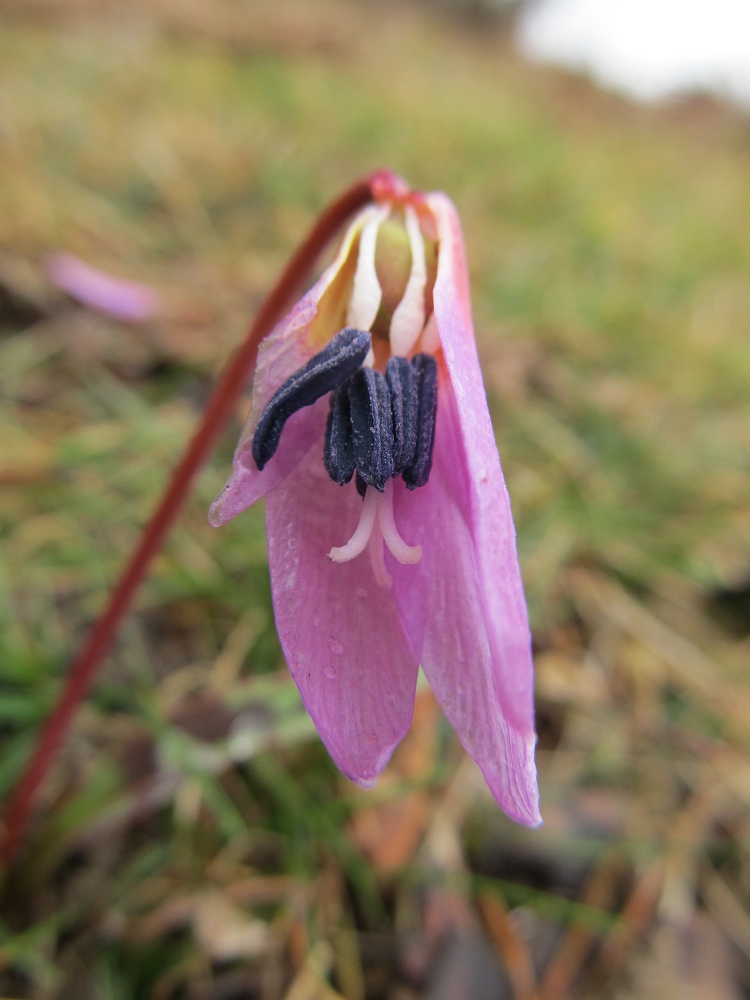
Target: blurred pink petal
127,300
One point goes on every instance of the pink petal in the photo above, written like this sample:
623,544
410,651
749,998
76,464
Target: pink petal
489,513
246,484
286,349
340,632
126,300
442,607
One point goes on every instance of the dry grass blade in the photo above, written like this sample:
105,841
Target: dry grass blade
310,982
228,663
667,886
725,908
390,833
510,946
567,963
339,930
684,660
686,837
636,916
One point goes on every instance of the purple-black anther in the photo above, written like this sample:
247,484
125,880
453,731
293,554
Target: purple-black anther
372,427
338,448
327,370
403,381
418,472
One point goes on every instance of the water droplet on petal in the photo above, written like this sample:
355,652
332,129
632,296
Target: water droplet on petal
331,673
361,593
335,647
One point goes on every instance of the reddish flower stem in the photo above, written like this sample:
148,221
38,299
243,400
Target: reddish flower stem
220,406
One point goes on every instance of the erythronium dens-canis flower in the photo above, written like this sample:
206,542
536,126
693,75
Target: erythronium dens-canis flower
390,536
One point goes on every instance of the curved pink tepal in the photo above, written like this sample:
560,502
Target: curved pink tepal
443,609
491,521
127,300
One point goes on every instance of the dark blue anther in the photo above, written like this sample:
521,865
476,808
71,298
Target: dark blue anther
418,472
403,383
338,449
327,370
372,427
361,486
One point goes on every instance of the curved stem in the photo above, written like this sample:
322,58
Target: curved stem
220,406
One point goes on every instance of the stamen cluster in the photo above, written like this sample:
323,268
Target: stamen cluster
383,400
383,426
379,426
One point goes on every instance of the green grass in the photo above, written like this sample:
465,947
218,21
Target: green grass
609,248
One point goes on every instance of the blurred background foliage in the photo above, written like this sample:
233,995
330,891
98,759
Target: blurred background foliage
194,840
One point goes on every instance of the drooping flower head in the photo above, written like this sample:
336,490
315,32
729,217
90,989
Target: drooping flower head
390,537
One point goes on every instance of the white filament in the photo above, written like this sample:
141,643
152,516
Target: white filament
406,554
376,525
382,576
358,542
367,293
408,318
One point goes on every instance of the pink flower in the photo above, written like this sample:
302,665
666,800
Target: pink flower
413,561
